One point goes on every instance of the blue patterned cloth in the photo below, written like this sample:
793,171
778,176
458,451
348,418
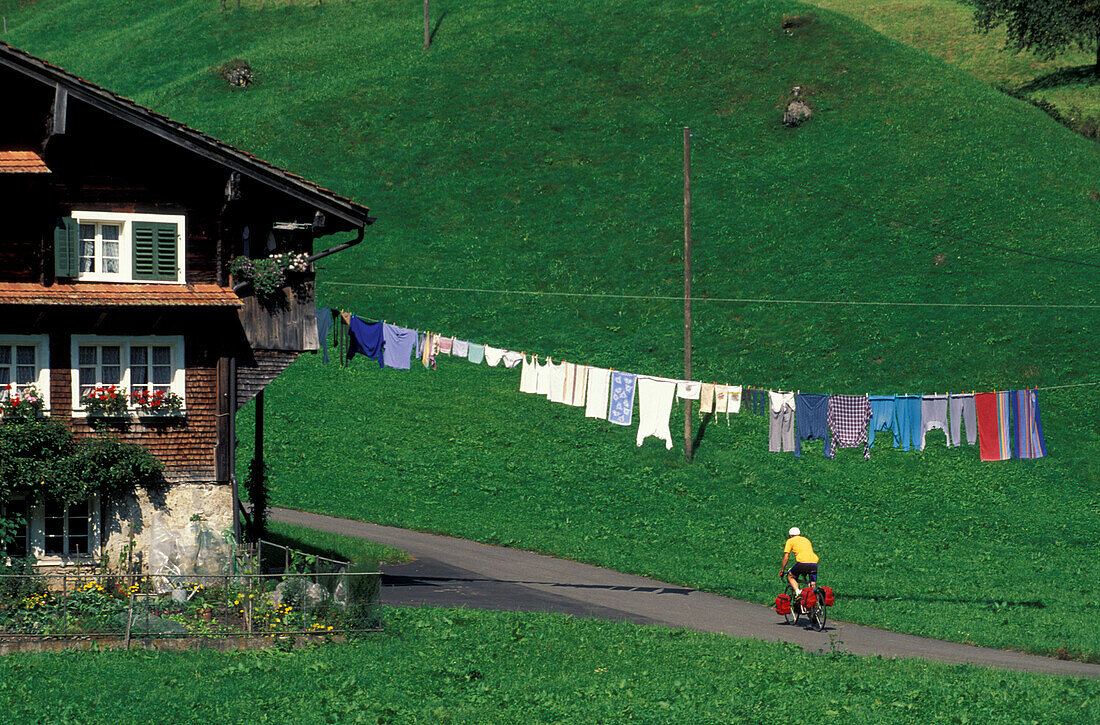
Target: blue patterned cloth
622,398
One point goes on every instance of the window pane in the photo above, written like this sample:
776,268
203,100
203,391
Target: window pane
162,374
25,375
109,232
112,354
139,376
138,355
87,380
55,530
5,355
87,355
24,355
112,375
87,256
110,259
162,355
111,369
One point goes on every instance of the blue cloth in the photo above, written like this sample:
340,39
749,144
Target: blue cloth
622,398
811,420
883,417
907,410
324,326
365,338
477,353
760,402
398,346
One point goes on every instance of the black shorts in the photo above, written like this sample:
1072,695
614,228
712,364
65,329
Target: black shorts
809,570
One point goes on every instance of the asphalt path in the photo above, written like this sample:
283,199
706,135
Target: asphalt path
449,572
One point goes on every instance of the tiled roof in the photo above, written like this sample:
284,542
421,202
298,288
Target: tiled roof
194,140
91,294
22,162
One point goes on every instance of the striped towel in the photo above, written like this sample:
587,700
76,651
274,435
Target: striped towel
994,431
1027,429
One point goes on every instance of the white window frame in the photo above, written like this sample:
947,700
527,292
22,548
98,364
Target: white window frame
36,533
175,342
41,343
126,245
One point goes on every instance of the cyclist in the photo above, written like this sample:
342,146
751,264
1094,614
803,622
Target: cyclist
805,560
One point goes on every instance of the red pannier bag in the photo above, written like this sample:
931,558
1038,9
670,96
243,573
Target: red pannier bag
827,595
809,599
783,604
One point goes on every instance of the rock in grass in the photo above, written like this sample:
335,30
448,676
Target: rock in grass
238,73
797,111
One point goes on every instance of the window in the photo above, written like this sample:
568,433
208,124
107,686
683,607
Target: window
116,247
67,529
54,532
24,364
131,363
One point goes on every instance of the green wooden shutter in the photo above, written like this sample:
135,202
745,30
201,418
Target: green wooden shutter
66,243
166,251
154,251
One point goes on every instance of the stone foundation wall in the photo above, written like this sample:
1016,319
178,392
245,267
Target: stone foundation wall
186,529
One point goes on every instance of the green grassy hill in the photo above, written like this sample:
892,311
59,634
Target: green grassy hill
537,147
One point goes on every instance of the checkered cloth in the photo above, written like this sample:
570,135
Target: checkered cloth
848,418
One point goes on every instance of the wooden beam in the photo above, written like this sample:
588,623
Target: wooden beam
60,113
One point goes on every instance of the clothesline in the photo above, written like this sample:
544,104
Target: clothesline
743,300
1005,420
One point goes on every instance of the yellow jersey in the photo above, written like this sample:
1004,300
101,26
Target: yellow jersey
803,550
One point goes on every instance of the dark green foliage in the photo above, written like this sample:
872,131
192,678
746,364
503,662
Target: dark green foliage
1045,27
467,666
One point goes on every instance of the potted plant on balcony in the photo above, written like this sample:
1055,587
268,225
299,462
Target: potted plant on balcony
20,406
269,276
105,401
157,403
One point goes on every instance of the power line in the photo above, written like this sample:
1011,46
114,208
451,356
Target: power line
742,300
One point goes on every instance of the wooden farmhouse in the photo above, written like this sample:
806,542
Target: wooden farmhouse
121,227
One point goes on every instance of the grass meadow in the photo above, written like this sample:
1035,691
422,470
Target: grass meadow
945,29
537,147
464,666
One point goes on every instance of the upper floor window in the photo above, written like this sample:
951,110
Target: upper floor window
24,364
99,246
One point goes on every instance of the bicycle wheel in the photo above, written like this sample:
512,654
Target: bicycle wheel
818,617
795,614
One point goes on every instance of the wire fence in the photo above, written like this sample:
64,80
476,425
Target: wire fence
145,606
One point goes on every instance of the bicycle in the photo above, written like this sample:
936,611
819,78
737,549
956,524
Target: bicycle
815,611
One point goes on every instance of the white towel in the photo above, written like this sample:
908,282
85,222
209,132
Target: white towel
733,402
721,393
576,382
542,377
599,390
779,400
493,355
706,398
688,390
511,358
555,392
461,348
655,397
527,375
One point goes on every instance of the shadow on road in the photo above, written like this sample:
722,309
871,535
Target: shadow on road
392,580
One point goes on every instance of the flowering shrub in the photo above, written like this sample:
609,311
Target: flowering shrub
107,400
16,406
156,402
268,276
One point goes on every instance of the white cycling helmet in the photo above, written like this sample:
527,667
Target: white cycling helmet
794,531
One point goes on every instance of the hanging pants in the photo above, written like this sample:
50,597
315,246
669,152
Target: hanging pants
961,411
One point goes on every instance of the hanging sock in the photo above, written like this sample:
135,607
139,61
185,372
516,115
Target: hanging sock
961,411
622,398
655,397
849,416
556,374
398,346
994,428
576,383
1027,429
688,390
599,385
493,355
365,338
811,420
511,358
528,375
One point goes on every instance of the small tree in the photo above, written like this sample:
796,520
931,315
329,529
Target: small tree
1044,27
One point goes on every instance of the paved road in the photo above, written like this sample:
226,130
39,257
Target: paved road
455,572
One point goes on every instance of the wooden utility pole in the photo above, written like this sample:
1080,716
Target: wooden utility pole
427,27
687,288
